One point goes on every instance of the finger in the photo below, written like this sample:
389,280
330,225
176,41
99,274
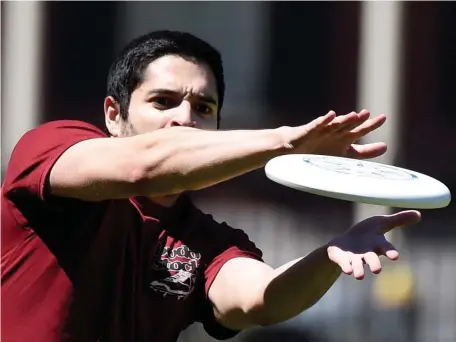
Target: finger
345,123
345,265
368,126
358,266
341,258
351,121
392,254
357,122
325,119
364,112
388,250
341,119
400,219
321,123
318,124
373,261
366,151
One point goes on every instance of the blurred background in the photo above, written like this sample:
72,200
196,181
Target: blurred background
285,64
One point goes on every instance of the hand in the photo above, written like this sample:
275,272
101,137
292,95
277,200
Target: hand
336,135
365,242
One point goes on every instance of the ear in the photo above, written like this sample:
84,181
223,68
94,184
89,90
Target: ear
112,116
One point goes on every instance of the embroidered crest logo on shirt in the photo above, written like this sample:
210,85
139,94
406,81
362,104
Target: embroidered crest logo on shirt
175,270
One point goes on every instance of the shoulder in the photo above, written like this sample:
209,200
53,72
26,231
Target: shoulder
67,124
74,126
51,135
36,152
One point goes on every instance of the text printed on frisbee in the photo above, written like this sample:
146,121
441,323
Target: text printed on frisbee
360,168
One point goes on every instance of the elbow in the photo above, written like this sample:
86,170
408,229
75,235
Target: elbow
272,316
267,318
261,314
277,310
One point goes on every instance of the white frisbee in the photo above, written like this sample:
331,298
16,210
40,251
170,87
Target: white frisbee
358,181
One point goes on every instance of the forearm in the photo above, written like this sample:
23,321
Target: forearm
296,286
180,159
162,162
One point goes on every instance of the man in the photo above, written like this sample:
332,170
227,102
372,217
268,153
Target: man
100,244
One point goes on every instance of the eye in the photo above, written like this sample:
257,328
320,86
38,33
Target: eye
163,102
204,109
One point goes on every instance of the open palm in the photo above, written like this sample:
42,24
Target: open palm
337,135
365,242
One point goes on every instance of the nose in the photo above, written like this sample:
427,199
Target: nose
182,115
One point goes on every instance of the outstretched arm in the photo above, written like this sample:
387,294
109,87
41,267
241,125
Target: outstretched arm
163,162
247,292
173,160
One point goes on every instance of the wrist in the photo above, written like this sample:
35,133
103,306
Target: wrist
285,138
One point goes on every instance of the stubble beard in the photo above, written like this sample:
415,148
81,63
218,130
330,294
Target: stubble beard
127,129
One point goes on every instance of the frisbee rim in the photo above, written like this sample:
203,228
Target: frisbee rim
440,197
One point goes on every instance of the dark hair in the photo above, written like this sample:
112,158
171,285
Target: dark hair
127,71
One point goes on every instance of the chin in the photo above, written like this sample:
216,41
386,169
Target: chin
174,195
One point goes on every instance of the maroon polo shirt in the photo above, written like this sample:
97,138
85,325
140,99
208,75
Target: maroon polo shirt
118,270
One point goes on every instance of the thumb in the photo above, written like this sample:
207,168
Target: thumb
400,219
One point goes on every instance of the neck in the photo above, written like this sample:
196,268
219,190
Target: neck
165,201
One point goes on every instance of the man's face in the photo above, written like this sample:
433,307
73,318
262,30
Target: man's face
175,92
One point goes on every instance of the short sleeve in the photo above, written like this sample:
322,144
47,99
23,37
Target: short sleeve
228,243
37,151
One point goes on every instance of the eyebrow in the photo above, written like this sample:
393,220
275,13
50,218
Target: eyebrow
201,96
